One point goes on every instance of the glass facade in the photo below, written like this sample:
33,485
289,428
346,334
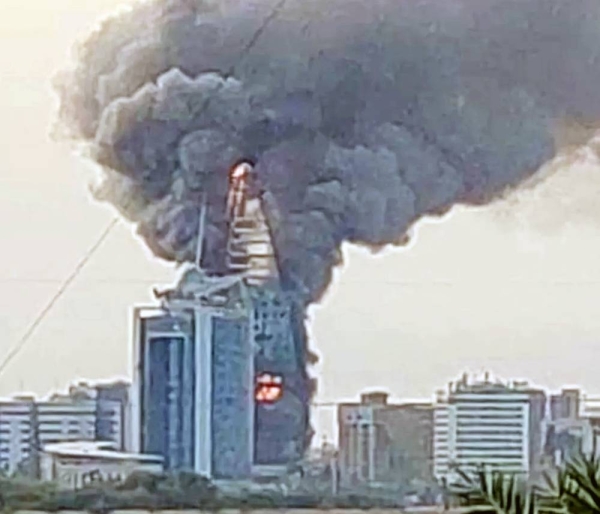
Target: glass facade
232,432
167,395
169,402
280,427
232,399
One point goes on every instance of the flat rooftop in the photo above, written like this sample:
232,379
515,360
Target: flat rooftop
97,450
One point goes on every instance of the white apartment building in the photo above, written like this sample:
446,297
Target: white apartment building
111,422
17,433
489,424
27,425
112,404
441,435
590,407
62,420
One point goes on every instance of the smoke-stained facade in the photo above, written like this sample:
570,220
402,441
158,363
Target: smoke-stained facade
199,356
282,428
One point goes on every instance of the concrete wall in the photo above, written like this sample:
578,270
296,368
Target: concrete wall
76,473
385,443
407,454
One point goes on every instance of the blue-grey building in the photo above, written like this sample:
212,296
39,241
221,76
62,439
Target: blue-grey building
282,427
202,395
194,381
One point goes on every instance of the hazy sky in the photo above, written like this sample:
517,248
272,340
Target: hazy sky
514,288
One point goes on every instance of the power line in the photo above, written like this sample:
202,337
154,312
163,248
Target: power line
106,232
54,281
65,285
405,283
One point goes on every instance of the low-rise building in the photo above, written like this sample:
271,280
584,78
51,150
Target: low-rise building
17,434
112,409
85,413
74,465
384,443
574,426
565,405
62,419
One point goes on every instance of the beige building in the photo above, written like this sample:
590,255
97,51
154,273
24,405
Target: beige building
77,464
383,443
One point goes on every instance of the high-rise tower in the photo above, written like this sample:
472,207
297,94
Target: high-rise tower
281,398
194,379
249,247
219,381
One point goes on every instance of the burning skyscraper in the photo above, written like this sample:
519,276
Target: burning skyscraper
361,118
220,380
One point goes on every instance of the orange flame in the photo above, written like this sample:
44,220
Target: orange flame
269,388
240,171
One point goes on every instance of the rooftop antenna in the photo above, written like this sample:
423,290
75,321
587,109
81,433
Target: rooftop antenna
201,229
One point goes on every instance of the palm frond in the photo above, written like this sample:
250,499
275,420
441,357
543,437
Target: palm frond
579,484
495,492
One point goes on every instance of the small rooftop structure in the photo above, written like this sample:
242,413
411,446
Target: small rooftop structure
21,397
104,450
374,398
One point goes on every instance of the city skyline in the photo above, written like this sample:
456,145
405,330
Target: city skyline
373,325
323,413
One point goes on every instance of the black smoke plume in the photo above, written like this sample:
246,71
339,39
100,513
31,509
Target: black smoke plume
361,116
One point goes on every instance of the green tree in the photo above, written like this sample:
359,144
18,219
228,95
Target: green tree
573,489
494,492
577,484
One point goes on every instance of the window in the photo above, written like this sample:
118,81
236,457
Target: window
269,388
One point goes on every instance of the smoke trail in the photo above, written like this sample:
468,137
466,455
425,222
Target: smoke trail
362,117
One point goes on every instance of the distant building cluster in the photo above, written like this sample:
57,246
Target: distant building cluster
199,410
511,427
85,413
488,423
220,387
219,380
